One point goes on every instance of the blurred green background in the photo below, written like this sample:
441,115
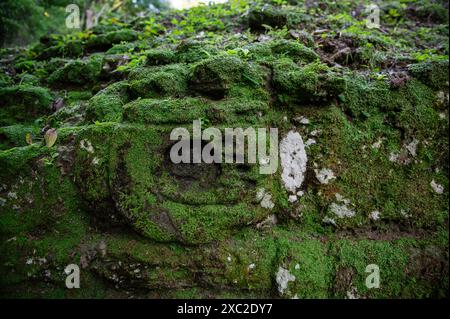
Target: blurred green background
24,21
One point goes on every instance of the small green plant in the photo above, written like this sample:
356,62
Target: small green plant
135,61
428,55
48,161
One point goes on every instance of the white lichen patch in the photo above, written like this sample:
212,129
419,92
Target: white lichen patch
87,146
352,293
325,175
293,161
292,198
375,215
438,188
260,194
270,221
38,261
378,143
412,147
265,199
283,277
251,266
341,199
405,155
342,211
12,195
393,157
310,141
328,220
442,98
302,120
315,132
405,213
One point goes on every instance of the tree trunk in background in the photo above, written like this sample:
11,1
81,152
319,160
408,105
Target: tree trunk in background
90,19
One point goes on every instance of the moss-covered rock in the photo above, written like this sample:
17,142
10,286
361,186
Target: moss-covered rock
106,105
160,57
267,16
433,74
71,49
191,51
215,76
194,209
104,41
362,119
294,50
161,81
313,83
15,135
41,223
23,103
399,268
78,72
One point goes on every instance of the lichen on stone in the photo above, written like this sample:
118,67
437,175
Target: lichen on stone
293,161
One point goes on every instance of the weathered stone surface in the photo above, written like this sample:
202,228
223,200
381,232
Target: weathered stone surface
362,176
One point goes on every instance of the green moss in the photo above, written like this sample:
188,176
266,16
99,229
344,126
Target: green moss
410,106
159,82
153,111
44,69
106,41
209,222
194,208
41,224
432,11
23,103
29,79
433,74
215,76
370,180
78,72
76,96
177,111
70,49
5,80
270,16
106,105
294,50
107,196
309,262
15,135
122,48
92,143
249,261
160,57
313,83
28,199
399,268
192,51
